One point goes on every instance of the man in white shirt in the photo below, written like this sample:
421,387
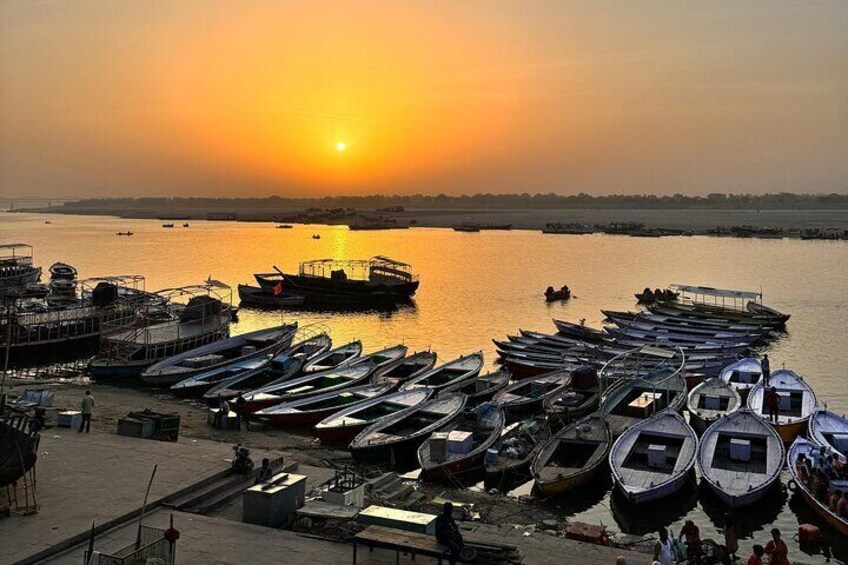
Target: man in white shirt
86,407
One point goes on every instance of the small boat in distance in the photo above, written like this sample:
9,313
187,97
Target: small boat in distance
649,296
167,225
124,233
316,236
284,226
740,457
797,403
185,225
654,458
552,295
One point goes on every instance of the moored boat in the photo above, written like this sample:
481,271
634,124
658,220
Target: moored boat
633,400
62,271
448,374
256,296
797,403
386,357
510,456
654,458
580,398
830,429
482,388
332,380
811,450
740,457
395,440
409,368
743,375
525,398
709,401
334,358
342,426
573,456
191,363
16,270
313,409
458,446
202,382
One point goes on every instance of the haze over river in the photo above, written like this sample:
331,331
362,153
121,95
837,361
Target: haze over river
479,286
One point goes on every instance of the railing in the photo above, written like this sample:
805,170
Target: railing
151,545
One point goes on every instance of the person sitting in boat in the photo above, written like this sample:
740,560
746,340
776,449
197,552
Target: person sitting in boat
565,289
839,466
802,468
647,294
549,291
819,484
833,501
842,506
447,532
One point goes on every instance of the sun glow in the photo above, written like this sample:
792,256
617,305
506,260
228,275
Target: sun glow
341,146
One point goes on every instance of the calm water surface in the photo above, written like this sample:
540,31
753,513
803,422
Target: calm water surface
479,286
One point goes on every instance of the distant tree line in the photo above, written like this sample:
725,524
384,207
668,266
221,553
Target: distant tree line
715,201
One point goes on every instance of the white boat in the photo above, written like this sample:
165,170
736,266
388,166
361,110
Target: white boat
709,401
811,450
743,375
386,357
797,402
654,458
448,374
740,457
829,428
334,358
307,385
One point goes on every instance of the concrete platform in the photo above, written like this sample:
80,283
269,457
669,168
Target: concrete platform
102,477
210,540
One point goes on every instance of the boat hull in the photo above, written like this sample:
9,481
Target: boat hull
649,495
567,484
747,499
403,454
788,432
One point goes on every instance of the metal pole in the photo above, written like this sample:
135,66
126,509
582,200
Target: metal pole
144,507
9,307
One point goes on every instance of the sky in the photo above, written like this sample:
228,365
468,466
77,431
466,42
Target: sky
297,98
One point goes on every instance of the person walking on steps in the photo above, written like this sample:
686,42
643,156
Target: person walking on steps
86,407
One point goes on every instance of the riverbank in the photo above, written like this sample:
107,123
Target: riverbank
748,223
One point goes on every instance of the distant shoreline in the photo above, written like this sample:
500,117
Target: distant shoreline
810,224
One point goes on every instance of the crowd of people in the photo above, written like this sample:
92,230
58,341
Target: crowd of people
667,551
818,471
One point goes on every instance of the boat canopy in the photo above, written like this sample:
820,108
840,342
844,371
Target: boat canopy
705,294
15,253
358,269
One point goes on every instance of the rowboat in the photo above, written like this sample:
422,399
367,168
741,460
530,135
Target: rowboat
573,456
257,296
219,354
569,403
684,321
334,358
482,388
201,383
649,323
395,440
830,429
16,270
654,458
709,401
18,447
312,409
333,380
525,398
62,271
342,426
448,374
377,360
740,457
281,367
632,400
510,456
797,403
410,367
458,446
579,331
743,375
527,368
811,450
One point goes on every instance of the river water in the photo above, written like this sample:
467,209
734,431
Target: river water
479,286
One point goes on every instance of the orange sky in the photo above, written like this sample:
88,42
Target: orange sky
198,97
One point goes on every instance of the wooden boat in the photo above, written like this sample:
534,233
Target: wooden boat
437,458
16,270
654,458
525,398
709,401
797,403
740,457
705,313
448,374
409,368
386,357
580,331
743,375
313,409
215,355
552,295
333,380
395,440
523,369
256,296
62,271
379,279
284,226
510,456
573,456
201,383
127,233
830,429
649,296
680,322
482,388
467,227
342,426
633,400
334,358
569,403
18,447
648,323
281,367
810,449
167,225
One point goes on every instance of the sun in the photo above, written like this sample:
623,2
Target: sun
341,146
